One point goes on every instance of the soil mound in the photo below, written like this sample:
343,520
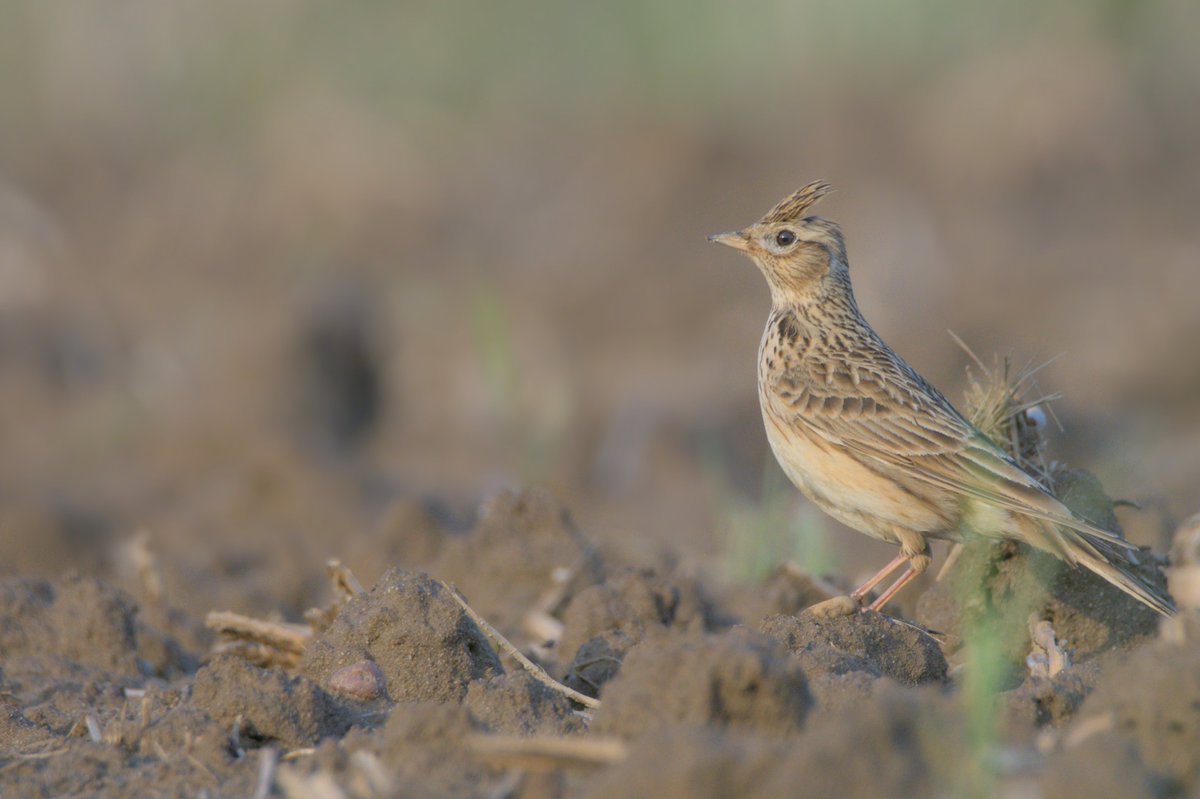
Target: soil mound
267,705
902,736
1153,700
424,644
867,642
517,704
603,622
845,656
737,678
77,619
694,762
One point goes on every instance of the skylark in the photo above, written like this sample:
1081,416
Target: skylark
872,442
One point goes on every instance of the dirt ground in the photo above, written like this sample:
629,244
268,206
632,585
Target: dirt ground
399,692
401,284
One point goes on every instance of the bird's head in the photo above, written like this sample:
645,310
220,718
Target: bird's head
802,257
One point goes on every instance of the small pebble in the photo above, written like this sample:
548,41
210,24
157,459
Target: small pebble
362,680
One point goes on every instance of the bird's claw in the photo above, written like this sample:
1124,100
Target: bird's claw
834,608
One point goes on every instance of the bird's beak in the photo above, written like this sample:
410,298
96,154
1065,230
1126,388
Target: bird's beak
736,239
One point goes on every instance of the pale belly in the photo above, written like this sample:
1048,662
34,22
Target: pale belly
850,492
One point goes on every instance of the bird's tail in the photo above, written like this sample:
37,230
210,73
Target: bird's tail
1112,563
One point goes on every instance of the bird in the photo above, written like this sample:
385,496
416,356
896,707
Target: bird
873,443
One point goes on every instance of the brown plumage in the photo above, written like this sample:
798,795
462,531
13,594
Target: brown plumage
872,442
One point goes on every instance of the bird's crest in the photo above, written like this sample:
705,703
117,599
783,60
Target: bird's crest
795,204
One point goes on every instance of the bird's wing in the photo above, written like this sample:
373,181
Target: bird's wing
888,416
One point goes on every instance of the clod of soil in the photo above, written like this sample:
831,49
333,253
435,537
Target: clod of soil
16,731
599,660
267,704
735,678
904,742
697,763
1105,764
864,642
78,619
845,656
1040,701
517,704
74,652
603,622
1153,696
900,744
632,601
408,625
419,752
182,728
75,626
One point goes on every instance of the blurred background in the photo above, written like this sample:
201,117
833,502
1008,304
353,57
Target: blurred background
279,278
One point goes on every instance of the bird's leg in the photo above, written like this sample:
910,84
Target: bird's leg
917,564
879,577
917,560
909,575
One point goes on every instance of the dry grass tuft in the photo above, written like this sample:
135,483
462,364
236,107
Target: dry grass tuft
995,402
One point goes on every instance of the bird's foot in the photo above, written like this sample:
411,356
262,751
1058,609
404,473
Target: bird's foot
834,608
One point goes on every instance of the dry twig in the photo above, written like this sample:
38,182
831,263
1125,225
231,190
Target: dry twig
260,642
540,621
319,785
268,759
345,586
549,752
21,759
537,671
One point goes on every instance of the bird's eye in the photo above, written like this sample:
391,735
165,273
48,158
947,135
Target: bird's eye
785,238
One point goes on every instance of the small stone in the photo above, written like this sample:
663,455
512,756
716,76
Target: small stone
362,680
